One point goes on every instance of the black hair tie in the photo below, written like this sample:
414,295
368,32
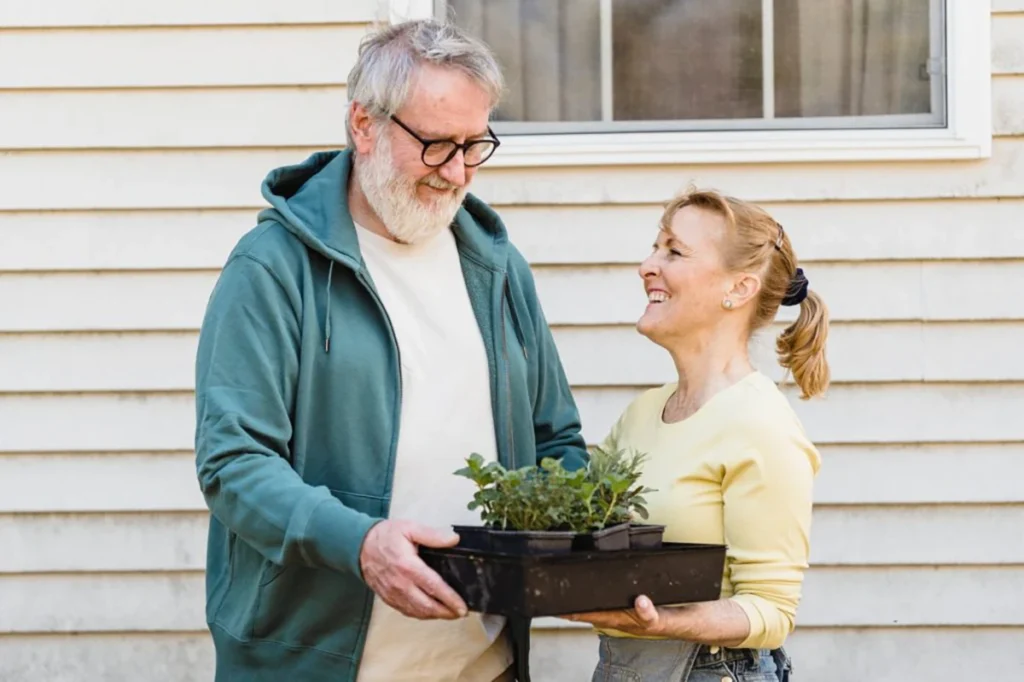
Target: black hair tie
797,289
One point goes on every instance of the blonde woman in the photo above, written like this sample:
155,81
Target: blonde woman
729,458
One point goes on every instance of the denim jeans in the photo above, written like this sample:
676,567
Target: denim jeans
643,660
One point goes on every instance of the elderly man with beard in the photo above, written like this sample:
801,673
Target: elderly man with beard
374,329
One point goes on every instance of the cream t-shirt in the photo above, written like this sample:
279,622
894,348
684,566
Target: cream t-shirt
446,416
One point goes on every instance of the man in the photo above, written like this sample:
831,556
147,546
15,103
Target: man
373,330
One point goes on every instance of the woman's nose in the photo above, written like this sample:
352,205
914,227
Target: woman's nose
648,268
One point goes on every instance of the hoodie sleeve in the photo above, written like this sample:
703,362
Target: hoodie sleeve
246,376
556,419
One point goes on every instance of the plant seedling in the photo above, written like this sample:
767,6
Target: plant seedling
549,497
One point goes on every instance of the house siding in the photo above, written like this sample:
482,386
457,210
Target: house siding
133,138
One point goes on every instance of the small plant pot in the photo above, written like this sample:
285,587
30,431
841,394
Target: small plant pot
645,536
608,539
531,541
474,537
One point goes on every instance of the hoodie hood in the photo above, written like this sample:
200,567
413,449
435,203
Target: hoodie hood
310,200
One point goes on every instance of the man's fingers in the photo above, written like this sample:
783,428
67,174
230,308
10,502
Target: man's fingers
431,583
431,537
415,603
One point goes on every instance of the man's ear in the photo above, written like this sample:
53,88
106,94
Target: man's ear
362,128
744,288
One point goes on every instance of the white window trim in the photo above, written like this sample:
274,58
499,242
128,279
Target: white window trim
968,134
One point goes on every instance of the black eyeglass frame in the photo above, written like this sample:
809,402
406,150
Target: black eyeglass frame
456,146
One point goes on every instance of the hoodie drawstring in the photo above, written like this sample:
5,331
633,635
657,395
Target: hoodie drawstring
327,323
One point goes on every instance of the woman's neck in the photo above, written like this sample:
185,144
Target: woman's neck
705,366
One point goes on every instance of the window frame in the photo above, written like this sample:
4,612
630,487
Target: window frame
966,135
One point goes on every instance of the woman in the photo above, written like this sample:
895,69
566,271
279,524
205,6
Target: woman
727,455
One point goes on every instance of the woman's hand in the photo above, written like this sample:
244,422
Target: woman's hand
644,619
721,622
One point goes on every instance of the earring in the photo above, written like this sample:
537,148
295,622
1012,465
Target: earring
727,304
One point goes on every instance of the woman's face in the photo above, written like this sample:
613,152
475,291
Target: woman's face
684,277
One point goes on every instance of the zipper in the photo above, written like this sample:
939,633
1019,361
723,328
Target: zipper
508,376
398,360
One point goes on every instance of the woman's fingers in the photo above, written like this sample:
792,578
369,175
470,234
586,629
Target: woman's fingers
646,610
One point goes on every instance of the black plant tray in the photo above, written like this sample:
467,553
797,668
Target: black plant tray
535,585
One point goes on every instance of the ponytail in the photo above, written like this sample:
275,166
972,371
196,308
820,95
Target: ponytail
801,347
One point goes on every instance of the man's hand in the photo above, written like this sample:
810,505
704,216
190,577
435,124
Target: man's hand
394,571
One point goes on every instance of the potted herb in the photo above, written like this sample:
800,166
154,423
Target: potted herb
548,508
528,509
612,497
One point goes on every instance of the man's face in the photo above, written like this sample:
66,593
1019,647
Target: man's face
413,200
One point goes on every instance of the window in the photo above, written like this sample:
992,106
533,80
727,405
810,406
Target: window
647,81
615,65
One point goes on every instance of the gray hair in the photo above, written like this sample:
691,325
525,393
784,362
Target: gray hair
389,59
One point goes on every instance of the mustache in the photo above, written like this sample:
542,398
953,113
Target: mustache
439,183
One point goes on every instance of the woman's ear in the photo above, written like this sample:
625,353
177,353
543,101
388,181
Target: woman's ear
745,287
362,128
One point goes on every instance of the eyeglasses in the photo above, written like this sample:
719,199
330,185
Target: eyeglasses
437,153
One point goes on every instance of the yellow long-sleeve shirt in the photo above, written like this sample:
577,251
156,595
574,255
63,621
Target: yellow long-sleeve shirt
737,472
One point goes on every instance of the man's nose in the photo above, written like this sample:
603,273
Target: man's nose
455,170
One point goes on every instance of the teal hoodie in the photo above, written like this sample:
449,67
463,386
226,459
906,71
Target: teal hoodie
298,396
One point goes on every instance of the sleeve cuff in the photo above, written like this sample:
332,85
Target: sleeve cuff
335,534
758,627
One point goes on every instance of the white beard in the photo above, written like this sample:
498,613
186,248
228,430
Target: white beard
393,197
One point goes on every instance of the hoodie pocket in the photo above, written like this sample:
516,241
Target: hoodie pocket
310,607
314,607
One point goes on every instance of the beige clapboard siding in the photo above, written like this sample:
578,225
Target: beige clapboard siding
131,13
166,481
108,657
1007,104
103,542
149,118
129,482
978,229
1007,46
241,117
903,653
920,474
592,356
230,178
841,536
832,596
820,654
978,535
179,57
578,295
946,412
